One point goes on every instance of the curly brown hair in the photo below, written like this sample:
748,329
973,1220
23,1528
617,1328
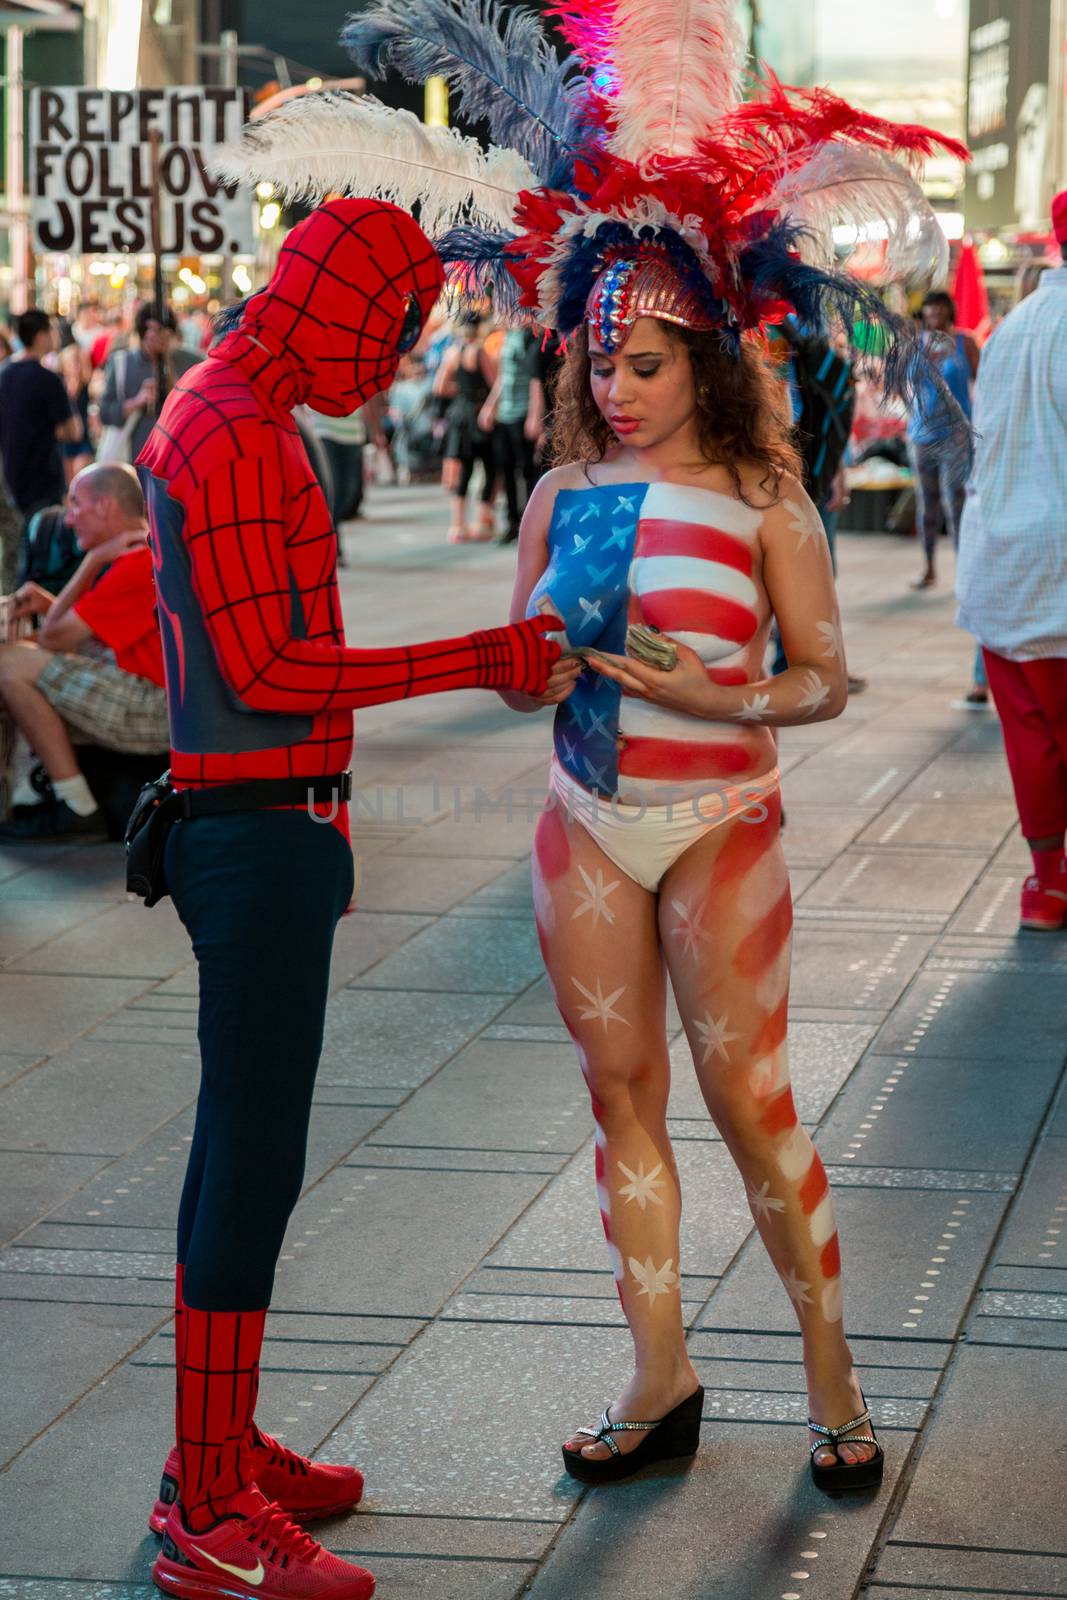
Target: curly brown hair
742,410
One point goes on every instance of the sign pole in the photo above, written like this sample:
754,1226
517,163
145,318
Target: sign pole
155,141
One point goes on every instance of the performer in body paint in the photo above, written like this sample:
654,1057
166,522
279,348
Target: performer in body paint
657,222
261,688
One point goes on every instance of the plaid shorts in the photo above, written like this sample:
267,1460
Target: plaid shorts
102,704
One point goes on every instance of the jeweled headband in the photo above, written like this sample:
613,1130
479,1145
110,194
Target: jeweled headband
645,285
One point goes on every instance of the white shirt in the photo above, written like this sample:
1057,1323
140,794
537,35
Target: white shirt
1011,576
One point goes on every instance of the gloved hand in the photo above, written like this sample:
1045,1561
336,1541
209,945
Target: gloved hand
519,657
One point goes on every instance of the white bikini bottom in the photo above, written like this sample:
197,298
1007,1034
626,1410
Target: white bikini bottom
645,841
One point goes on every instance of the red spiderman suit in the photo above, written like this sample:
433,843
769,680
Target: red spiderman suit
261,686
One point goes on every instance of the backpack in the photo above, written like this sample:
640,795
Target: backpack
49,553
827,403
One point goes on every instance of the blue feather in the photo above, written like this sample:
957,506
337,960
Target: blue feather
480,252
770,268
499,63
585,260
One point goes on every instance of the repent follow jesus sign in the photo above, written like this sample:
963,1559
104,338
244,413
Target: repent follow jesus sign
91,171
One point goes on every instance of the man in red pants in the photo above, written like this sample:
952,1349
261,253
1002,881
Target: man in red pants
1012,574
261,687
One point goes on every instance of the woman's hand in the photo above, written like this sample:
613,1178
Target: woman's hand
686,687
561,682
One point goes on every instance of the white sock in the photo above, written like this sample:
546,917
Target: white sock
77,793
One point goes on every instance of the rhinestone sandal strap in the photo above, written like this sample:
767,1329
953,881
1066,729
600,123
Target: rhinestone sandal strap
835,1433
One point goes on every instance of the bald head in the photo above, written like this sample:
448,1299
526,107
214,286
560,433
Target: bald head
118,482
103,500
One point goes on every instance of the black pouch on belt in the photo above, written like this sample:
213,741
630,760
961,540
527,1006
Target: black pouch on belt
159,806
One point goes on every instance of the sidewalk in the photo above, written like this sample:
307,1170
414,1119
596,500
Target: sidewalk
444,1311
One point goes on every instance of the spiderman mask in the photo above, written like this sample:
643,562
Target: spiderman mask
353,287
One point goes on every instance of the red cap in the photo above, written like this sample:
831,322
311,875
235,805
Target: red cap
1059,216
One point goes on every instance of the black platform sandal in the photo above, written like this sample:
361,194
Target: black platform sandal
846,1474
673,1436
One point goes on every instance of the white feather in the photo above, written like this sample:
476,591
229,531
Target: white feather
335,143
840,184
675,67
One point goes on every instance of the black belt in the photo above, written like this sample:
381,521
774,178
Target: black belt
261,794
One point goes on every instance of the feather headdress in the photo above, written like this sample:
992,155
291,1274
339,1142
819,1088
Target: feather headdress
636,147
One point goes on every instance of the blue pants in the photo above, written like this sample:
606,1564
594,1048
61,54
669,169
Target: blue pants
260,893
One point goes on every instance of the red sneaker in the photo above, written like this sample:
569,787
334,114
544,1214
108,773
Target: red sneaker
306,1490
1044,901
253,1553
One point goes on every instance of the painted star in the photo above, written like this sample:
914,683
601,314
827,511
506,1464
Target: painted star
597,774
569,750
590,611
594,896
600,574
763,1203
753,710
600,1006
617,536
796,1288
625,502
590,511
580,544
834,645
714,1037
643,1185
801,521
653,1280
816,693
596,723
565,515
689,927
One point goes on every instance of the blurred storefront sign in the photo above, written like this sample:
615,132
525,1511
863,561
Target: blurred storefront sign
91,171
1010,115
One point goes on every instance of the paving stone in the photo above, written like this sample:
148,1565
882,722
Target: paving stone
954,1499
397,1040
992,908
122,939
98,1533
42,1014
592,1311
563,1228
31,1184
961,777
310,1357
458,1538
890,1239
939,1111
448,1578
878,1591
420,1159
496,1096
13,1065
815,834
821,1057
959,1182
365,938
895,1355
929,823
123,1093
1050,1279
67,1290
401,883
393,1241
104,1235
896,879
62,1589
492,835
73,1344
96,873
843,780
1039,1305
1020,1332
498,956
766,1377
472,1378
36,922
1009,1016
847,967
749,1481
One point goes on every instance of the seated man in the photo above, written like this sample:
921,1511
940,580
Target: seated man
94,672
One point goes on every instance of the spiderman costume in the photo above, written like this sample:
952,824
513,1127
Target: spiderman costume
261,686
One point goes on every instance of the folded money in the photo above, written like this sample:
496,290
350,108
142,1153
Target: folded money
649,646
